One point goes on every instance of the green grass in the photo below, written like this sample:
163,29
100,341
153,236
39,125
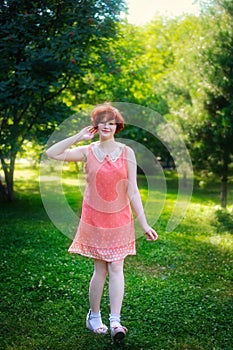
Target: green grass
178,291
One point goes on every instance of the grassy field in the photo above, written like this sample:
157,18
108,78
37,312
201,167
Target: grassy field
178,290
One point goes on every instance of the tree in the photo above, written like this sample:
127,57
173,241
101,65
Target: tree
212,136
199,85
44,45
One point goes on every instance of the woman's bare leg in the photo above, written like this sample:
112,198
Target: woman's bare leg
97,285
116,286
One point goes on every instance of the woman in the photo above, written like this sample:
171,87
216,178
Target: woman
106,228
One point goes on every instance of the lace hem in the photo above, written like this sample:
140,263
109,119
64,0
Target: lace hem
105,254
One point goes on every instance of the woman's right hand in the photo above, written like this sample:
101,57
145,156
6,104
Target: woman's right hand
87,133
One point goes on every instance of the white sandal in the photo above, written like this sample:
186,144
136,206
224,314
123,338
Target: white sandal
118,332
100,330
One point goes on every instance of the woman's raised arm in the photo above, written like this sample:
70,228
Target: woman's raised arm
62,151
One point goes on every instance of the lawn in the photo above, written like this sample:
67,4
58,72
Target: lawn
178,291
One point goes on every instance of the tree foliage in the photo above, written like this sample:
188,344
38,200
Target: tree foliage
212,136
44,45
198,86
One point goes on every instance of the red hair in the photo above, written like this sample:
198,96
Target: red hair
107,112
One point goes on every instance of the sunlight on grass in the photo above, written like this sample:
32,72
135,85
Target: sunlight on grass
25,172
73,182
224,241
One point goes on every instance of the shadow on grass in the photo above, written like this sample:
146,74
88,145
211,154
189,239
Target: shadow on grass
225,221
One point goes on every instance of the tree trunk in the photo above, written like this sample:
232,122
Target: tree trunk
224,192
226,160
9,177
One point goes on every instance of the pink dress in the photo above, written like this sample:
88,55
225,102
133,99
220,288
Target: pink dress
106,227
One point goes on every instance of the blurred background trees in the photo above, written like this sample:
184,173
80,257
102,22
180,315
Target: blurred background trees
57,58
212,135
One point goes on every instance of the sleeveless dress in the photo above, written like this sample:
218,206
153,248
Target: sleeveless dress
106,227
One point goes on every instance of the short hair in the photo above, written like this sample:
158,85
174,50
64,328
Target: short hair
108,112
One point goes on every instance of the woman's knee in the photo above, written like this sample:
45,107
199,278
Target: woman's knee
116,267
101,268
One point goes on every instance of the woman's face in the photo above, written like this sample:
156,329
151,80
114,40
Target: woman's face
107,129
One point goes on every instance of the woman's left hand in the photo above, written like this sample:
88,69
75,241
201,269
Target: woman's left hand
151,235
